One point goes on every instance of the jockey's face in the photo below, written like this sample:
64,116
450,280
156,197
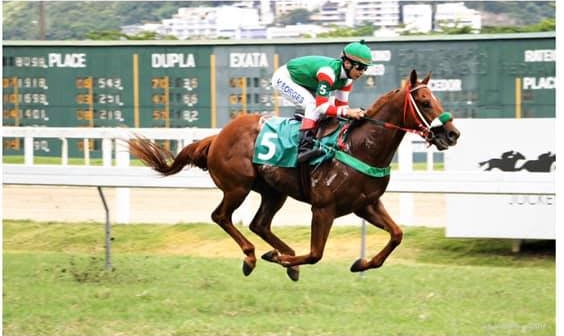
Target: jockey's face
355,70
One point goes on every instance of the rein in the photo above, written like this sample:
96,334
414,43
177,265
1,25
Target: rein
424,129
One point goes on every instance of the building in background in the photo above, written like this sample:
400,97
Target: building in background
141,28
233,22
352,13
284,6
331,13
295,31
456,15
418,18
378,13
254,19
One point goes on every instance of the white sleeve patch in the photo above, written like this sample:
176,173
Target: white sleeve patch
342,95
327,71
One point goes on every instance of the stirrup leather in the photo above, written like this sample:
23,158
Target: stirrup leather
306,151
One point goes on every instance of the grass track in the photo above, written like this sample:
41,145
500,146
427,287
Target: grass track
163,284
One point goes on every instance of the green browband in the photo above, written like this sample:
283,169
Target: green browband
361,166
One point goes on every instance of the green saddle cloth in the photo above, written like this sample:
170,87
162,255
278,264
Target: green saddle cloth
277,143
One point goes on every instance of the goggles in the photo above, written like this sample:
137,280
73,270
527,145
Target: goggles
359,66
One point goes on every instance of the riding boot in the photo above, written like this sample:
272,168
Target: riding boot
305,148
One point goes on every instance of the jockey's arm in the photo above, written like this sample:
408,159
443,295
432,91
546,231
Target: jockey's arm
341,107
342,101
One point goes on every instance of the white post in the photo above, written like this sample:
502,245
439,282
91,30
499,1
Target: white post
107,152
86,150
64,152
430,159
122,194
244,214
28,150
405,161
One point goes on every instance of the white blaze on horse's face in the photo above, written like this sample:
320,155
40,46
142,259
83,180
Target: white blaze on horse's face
418,107
433,104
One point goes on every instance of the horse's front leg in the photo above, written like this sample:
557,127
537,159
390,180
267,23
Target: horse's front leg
321,222
377,215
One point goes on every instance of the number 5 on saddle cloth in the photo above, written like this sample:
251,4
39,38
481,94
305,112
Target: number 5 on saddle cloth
277,143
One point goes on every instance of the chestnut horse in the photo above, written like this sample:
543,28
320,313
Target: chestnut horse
336,189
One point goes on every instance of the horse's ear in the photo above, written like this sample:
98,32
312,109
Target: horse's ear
413,78
426,79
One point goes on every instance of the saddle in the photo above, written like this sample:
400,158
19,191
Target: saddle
326,125
278,139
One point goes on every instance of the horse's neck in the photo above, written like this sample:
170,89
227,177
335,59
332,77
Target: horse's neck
375,144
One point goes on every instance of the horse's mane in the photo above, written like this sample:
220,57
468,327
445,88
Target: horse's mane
383,100
374,108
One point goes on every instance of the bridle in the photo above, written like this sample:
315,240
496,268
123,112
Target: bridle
424,128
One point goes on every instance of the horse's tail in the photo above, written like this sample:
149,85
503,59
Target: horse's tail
483,163
159,158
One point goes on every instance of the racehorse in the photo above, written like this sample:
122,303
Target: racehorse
335,188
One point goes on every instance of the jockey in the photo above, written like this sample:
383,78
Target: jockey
308,82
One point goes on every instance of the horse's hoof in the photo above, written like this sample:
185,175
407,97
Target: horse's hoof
270,256
247,269
293,273
357,266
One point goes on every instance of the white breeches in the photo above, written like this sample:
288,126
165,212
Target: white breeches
295,93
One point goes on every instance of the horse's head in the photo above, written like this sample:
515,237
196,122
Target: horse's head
423,112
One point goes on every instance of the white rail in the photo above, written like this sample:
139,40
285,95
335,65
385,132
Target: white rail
122,176
111,139
401,182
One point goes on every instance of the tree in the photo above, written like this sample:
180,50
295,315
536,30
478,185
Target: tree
105,35
366,29
543,25
116,35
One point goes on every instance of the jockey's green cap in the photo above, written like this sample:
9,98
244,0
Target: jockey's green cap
358,52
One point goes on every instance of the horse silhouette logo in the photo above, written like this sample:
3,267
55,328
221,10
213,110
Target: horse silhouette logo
545,162
507,162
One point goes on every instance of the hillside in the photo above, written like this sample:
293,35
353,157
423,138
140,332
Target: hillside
67,20
513,13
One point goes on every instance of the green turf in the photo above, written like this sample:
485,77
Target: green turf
55,284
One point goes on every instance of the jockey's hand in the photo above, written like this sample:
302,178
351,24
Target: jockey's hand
355,113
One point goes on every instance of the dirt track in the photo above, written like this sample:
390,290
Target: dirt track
71,204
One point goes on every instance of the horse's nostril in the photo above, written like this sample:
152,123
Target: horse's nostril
453,135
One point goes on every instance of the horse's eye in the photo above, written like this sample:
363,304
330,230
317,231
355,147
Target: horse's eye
426,104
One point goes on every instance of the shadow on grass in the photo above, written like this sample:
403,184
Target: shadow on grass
539,247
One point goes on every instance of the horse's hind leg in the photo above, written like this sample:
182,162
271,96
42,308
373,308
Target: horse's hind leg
222,215
271,202
377,215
